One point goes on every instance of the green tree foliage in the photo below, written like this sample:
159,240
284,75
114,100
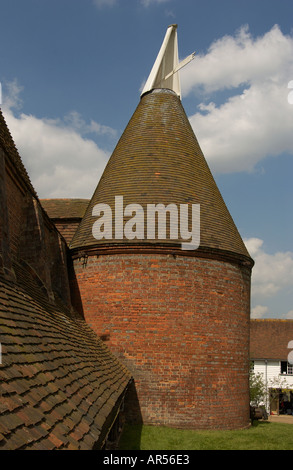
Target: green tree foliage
257,388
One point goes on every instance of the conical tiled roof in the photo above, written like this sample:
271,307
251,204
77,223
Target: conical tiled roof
158,160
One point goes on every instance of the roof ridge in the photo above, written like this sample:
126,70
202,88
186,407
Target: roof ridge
272,319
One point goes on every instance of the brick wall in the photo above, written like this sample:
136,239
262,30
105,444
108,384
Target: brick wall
27,235
181,325
5,255
16,200
67,227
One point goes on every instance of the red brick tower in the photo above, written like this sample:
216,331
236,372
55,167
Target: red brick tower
178,318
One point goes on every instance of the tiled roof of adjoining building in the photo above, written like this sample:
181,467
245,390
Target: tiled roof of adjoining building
59,382
66,214
65,208
269,339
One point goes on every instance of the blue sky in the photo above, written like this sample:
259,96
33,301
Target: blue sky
71,73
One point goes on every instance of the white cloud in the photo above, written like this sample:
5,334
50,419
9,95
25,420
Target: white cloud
272,273
259,311
255,122
253,245
271,282
74,120
60,160
262,311
12,97
288,315
232,61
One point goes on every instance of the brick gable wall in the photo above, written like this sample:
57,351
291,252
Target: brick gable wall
27,234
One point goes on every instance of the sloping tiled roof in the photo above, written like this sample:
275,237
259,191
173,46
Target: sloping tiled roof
158,160
8,145
59,382
269,339
65,208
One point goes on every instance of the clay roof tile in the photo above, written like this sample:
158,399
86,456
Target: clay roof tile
158,160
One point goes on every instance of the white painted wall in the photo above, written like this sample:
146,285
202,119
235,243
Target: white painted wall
272,373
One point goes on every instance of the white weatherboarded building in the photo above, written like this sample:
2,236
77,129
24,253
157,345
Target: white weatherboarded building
271,351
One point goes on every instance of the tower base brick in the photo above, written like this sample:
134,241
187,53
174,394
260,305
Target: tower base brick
181,326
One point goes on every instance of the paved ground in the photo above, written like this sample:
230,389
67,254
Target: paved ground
281,419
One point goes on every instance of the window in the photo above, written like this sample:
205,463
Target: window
286,368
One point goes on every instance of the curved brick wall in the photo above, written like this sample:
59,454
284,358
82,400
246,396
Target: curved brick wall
181,325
